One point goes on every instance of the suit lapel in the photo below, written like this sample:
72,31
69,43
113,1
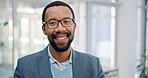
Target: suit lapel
44,65
78,71
45,70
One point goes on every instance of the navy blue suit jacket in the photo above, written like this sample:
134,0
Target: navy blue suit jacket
38,66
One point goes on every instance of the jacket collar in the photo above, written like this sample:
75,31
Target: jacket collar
78,71
45,70
44,64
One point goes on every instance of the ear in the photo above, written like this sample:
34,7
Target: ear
75,25
44,30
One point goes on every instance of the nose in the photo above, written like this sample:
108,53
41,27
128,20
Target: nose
60,28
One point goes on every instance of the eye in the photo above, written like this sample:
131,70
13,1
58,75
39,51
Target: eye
52,23
67,21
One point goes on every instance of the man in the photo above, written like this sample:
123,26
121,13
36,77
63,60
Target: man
58,59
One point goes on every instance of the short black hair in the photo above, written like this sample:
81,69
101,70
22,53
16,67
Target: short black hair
56,3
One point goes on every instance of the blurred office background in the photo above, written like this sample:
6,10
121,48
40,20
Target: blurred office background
113,30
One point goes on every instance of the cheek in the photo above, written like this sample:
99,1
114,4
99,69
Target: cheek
49,31
72,33
71,29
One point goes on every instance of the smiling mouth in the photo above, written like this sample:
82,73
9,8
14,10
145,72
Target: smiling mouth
61,38
60,35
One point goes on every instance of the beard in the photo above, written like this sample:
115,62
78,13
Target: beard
62,48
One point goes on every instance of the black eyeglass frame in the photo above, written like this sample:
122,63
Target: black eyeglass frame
72,19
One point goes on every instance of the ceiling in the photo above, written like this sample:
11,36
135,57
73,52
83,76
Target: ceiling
5,4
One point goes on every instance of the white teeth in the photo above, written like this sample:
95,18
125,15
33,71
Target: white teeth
61,38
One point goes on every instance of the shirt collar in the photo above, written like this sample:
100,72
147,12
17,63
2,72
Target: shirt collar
52,60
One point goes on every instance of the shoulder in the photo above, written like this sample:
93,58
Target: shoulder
28,63
90,62
84,55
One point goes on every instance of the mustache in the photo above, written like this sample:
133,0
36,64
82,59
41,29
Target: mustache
57,33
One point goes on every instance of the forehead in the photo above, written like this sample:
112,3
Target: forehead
57,12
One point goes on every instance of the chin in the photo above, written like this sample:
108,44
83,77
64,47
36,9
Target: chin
61,48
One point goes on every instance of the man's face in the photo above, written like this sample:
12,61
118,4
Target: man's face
60,37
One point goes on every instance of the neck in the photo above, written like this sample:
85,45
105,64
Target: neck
60,56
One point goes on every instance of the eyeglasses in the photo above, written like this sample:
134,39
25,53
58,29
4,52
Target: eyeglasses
53,23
